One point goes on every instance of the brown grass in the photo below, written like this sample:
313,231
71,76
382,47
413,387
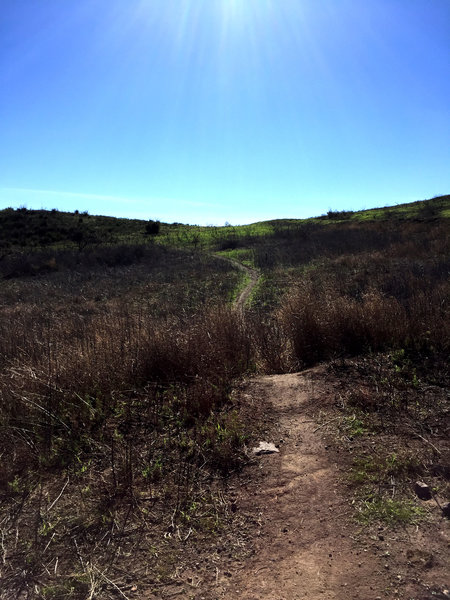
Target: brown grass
117,368
371,301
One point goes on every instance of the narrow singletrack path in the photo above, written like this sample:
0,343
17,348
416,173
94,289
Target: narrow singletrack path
304,548
254,277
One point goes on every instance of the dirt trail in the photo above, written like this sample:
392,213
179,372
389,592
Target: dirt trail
304,549
246,292
307,544
254,276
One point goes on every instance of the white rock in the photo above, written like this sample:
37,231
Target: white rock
265,448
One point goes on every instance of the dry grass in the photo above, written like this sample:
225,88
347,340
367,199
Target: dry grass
117,366
370,301
115,416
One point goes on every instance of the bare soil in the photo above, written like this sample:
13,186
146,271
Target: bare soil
286,526
305,541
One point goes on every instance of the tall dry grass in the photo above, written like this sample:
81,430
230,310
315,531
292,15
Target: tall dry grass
69,375
113,415
81,342
390,298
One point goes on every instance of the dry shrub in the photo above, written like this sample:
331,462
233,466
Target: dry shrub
116,414
322,321
272,348
72,374
211,345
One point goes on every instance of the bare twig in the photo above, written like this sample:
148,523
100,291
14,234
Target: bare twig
326,423
59,496
2,543
49,542
111,582
428,442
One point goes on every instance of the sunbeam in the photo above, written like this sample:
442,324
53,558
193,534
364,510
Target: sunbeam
226,101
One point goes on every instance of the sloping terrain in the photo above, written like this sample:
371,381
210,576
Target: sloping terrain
142,362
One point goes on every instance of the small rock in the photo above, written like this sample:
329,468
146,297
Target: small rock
422,490
446,510
265,448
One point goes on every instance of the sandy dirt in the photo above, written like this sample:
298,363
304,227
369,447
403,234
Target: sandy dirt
306,541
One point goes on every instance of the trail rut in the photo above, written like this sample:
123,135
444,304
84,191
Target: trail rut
304,548
254,276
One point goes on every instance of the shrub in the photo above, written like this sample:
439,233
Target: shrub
152,228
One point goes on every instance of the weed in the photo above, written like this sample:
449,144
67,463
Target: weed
73,589
15,485
363,470
154,471
389,511
223,440
354,426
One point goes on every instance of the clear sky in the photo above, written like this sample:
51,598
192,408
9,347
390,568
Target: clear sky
205,111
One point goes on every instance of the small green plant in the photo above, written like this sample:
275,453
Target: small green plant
15,485
354,426
390,511
154,470
46,528
403,366
364,470
223,439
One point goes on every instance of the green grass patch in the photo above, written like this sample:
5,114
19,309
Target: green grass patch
389,511
364,470
354,425
243,282
269,291
244,256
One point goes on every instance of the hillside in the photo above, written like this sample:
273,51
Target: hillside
132,392
42,228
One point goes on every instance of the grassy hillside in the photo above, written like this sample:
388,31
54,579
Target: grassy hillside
23,228
120,349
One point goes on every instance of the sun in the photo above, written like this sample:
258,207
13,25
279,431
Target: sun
233,9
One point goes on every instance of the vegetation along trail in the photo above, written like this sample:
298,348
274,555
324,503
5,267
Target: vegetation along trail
146,371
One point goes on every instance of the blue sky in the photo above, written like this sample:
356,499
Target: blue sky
206,111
